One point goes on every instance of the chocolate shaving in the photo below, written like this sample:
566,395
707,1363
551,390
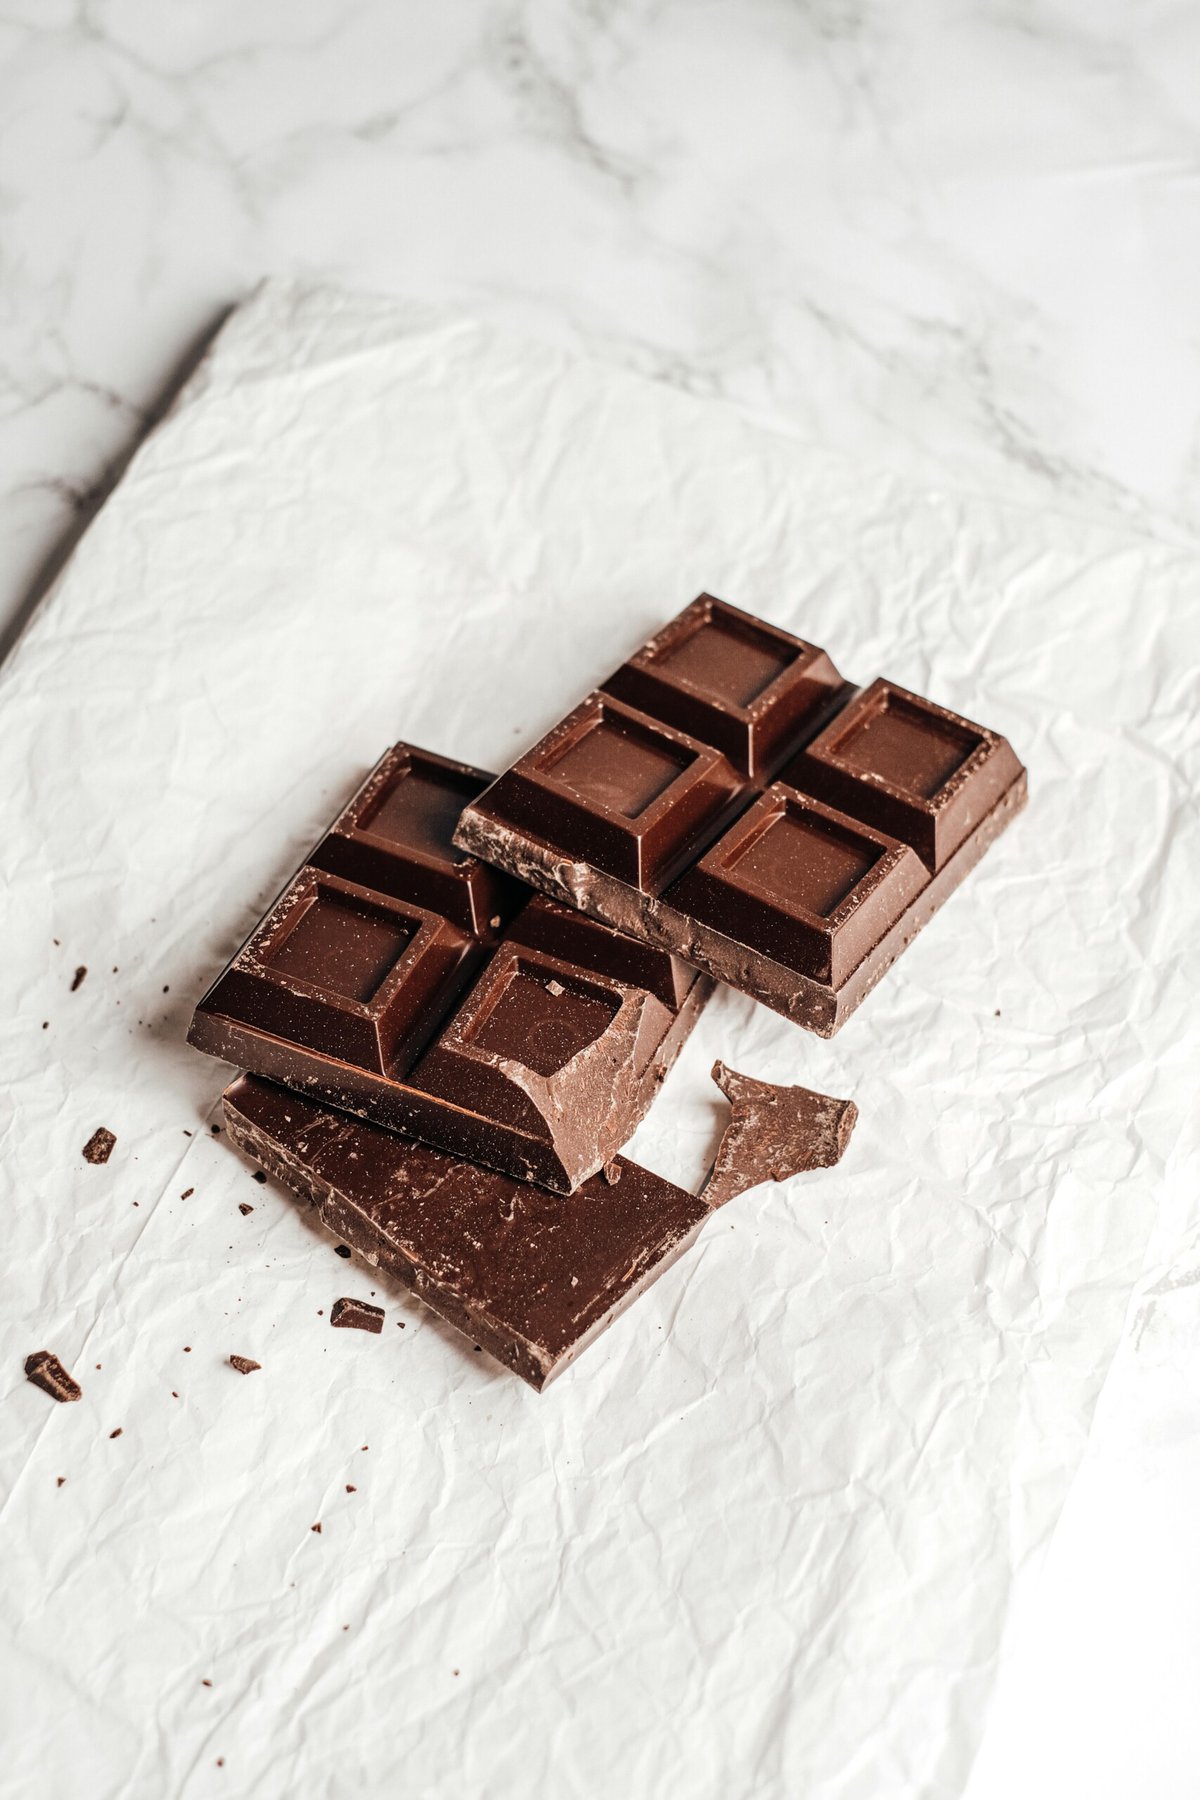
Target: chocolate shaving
774,1132
244,1365
356,1315
99,1146
45,1371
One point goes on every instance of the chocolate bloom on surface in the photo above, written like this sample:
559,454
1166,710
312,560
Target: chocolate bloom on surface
774,1132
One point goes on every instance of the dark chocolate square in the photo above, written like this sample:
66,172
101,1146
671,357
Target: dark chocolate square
621,791
733,681
396,835
908,767
804,884
347,972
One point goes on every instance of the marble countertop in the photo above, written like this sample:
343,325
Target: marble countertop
956,240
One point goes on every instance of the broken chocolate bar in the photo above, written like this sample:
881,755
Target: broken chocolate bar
774,1132
356,1315
530,1276
45,1371
537,1052
727,797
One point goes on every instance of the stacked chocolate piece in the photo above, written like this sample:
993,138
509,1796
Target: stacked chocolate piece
462,1059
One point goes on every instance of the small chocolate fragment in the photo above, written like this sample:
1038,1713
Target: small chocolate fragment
261,1178
245,1208
45,1371
119,1432
531,1276
99,1146
244,1365
356,1315
774,1132
80,977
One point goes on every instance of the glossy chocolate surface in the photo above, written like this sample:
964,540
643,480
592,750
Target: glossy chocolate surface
801,890
530,1276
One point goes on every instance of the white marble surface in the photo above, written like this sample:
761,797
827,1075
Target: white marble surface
957,238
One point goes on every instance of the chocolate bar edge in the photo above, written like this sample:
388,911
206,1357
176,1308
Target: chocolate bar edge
822,1009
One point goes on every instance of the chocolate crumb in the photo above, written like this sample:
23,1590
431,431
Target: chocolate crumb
187,1349
317,1529
556,988
174,1395
351,1489
356,1315
45,1024
214,1129
117,1432
204,1681
46,1372
344,1250
80,977
187,1193
400,1323
60,1480
99,1146
260,1175
186,1132
220,1762
166,990
244,1365
612,1173
244,1207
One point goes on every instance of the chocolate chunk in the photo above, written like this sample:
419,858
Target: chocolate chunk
754,815
774,1132
260,1177
244,1207
344,1250
45,1371
538,1056
80,977
244,1365
99,1146
531,1276
356,1315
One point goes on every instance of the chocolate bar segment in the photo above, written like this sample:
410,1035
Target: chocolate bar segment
621,791
802,883
396,837
531,1277
801,894
908,767
356,996
733,681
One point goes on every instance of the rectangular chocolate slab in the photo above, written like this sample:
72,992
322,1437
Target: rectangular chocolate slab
383,980
798,832
532,1278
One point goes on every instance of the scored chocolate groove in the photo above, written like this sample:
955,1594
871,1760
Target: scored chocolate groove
727,797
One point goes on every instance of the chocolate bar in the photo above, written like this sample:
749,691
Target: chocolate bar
726,797
531,1277
406,982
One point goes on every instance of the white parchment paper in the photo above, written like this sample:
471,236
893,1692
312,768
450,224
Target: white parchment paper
764,1538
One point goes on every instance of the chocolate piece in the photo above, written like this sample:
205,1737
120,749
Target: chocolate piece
245,1208
546,1066
801,893
80,977
774,1132
244,1365
356,1315
531,1277
99,1146
396,836
45,1371
741,685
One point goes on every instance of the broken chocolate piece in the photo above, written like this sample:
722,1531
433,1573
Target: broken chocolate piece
774,1132
244,1365
99,1146
353,994
756,816
45,1371
531,1276
245,1208
356,1315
